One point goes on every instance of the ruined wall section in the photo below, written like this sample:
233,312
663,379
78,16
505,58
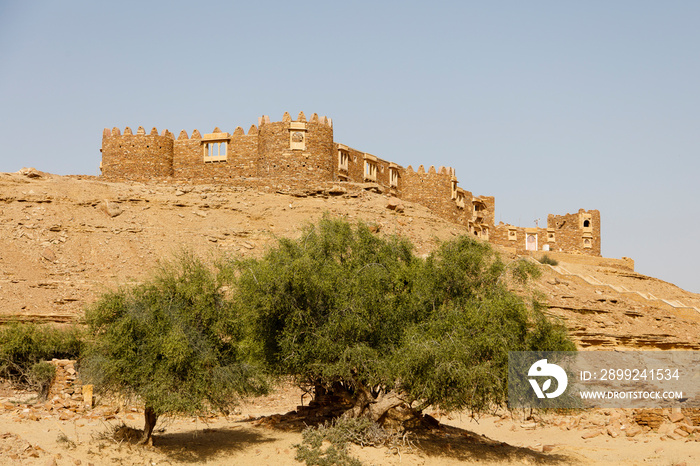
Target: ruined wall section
519,239
137,156
579,232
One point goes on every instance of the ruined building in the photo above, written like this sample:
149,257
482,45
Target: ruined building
297,153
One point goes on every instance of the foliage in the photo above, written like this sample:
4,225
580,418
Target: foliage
41,375
172,341
311,449
343,431
341,307
545,259
524,270
24,345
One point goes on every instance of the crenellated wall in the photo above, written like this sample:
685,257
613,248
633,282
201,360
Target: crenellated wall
294,150
433,189
295,153
137,156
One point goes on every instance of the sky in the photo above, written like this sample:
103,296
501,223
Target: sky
550,106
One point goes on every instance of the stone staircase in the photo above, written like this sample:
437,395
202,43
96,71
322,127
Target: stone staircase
643,297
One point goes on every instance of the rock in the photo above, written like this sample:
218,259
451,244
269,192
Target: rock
337,190
676,417
248,245
48,254
666,428
31,172
592,434
633,430
547,448
111,208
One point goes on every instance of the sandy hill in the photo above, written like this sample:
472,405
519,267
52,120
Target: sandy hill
65,240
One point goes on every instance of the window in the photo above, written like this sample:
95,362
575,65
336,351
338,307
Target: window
460,198
370,172
297,135
586,223
393,177
215,146
512,235
215,151
454,189
343,160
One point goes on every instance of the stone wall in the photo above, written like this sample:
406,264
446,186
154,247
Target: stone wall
291,154
279,157
136,156
564,233
579,232
241,157
432,189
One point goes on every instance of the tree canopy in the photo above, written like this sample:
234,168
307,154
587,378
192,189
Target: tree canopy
173,341
343,309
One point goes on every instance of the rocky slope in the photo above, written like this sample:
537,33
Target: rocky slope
65,240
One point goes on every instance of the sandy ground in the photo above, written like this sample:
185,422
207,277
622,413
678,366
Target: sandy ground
32,435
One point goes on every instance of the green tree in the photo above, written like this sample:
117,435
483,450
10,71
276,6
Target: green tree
174,342
361,317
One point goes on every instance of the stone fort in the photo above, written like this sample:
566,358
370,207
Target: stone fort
302,152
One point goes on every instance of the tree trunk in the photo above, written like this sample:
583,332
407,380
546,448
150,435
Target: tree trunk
363,398
151,417
373,408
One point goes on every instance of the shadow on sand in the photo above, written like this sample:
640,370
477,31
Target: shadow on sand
464,445
437,441
200,445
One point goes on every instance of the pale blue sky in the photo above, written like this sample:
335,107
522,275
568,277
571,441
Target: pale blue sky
550,106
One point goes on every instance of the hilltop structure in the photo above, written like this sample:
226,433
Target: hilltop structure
296,153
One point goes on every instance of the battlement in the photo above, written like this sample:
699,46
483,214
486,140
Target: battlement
296,152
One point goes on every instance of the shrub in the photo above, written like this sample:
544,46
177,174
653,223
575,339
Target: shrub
24,345
41,376
545,259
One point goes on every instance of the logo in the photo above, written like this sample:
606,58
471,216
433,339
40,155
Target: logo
543,369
